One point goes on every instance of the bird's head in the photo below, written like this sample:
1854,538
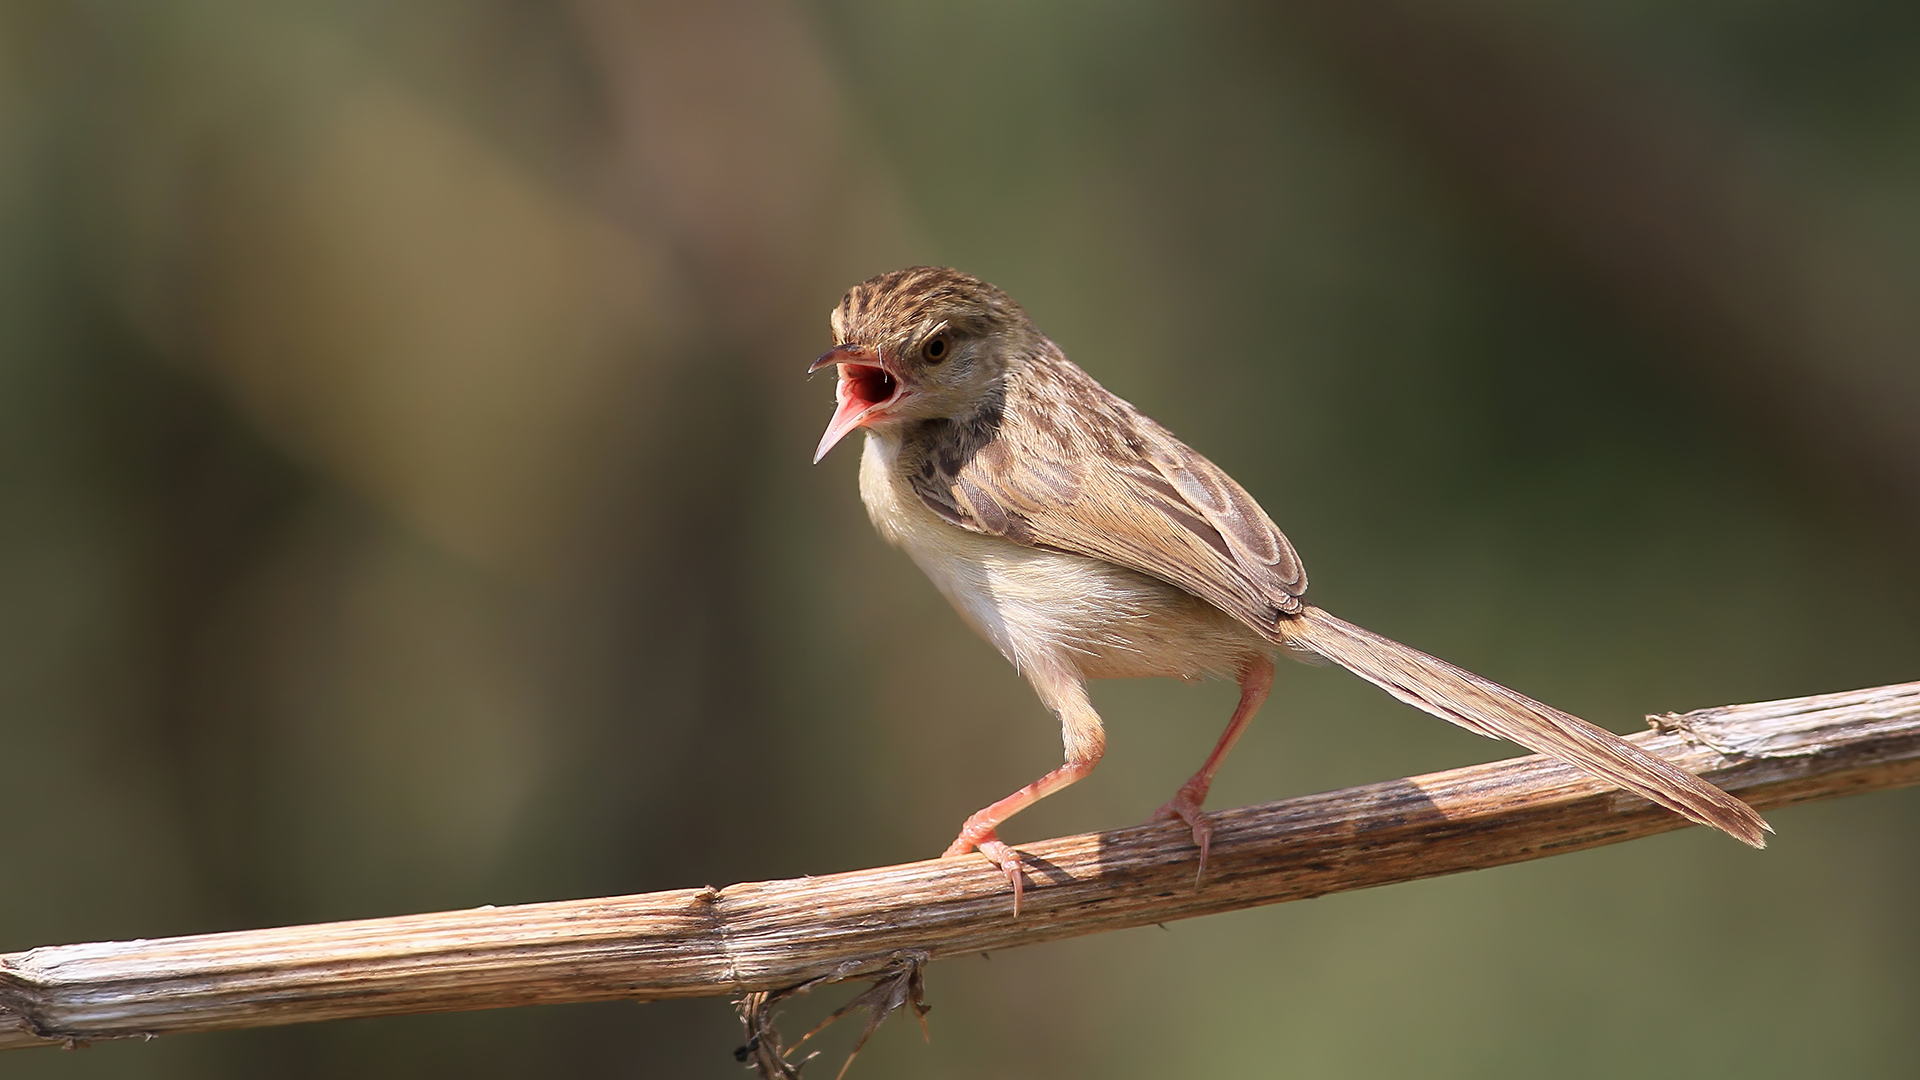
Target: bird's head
918,344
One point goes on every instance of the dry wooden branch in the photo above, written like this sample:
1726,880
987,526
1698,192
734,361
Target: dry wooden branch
765,935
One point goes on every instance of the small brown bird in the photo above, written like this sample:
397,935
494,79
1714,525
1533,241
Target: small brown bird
1086,542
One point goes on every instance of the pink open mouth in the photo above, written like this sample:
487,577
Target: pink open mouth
865,390
866,386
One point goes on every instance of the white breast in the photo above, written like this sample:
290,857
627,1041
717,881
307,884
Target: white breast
1046,609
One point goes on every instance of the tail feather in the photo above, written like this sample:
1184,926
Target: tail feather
1489,709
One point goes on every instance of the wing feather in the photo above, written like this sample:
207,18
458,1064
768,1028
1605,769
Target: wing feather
1069,467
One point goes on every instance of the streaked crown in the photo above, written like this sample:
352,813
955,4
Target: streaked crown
884,307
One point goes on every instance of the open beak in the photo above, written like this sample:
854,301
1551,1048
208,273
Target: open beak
865,388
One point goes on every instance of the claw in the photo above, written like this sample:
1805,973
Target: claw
998,853
1184,807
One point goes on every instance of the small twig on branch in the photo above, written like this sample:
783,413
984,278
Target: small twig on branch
896,986
762,936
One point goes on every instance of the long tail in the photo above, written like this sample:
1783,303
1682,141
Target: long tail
1490,709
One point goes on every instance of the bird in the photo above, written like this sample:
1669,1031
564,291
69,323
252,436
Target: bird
1085,541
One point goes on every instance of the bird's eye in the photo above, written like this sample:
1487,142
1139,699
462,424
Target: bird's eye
935,350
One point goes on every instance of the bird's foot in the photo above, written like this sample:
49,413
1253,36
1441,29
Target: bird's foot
987,842
1185,806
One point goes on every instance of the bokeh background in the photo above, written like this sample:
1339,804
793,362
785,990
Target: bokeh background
404,497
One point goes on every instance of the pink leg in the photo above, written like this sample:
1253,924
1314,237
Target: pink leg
979,831
1063,690
1256,679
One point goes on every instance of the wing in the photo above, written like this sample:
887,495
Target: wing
1065,465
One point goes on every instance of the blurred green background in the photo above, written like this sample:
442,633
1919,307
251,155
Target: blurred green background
404,498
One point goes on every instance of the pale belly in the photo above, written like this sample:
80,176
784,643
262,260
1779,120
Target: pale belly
1047,609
